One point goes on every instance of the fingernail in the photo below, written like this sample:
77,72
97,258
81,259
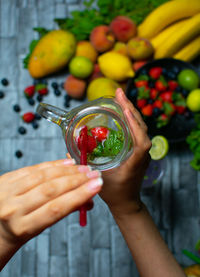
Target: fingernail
94,184
69,161
84,168
94,174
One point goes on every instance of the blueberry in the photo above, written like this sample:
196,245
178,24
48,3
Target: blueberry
57,92
188,114
31,101
16,108
67,97
184,92
164,71
143,71
150,101
36,81
54,85
175,69
178,89
66,104
18,154
37,116
171,75
2,94
133,93
22,130
35,125
156,112
4,82
62,85
39,98
151,84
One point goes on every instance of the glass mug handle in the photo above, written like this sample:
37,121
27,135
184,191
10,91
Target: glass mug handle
52,113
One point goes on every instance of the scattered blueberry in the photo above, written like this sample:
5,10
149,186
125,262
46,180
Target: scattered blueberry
62,85
57,92
39,98
2,94
176,70
178,89
35,125
184,92
4,82
16,108
67,97
18,154
36,81
171,75
66,104
164,71
37,116
54,85
22,130
151,84
133,93
150,101
156,112
188,114
143,71
31,101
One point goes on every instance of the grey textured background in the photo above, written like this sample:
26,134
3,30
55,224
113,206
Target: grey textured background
66,250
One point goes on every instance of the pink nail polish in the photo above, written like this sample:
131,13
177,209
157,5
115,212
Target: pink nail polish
94,184
94,174
84,168
69,162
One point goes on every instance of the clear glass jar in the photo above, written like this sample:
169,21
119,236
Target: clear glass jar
104,112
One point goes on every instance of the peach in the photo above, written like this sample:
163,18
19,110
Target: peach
102,38
121,48
123,28
138,64
96,73
84,48
75,87
139,48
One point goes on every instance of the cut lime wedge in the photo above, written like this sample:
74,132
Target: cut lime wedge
160,148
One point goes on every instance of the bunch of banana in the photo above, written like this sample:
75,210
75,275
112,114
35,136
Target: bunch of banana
174,29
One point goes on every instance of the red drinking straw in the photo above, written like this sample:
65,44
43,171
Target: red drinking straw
83,161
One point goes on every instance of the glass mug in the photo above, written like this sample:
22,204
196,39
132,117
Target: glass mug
104,112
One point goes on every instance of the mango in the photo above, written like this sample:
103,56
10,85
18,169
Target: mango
52,53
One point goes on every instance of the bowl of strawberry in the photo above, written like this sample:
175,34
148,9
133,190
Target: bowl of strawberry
157,93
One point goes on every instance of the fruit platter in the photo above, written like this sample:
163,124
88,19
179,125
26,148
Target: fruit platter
159,91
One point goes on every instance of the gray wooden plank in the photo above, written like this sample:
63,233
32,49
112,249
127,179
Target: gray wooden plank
15,265
61,10
42,255
5,271
6,155
100,263
100,232
28,259
78,250
46,14
120,254
58,266
58,239
8,27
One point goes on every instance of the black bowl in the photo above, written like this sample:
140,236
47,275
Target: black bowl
180,125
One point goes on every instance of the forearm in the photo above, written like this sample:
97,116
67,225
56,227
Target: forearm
148,249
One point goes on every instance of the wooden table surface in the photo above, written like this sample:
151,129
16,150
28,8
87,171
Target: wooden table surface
66,249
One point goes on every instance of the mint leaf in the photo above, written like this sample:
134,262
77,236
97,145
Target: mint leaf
143,93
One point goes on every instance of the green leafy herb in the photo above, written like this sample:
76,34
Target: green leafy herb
41,32
194,143
143,93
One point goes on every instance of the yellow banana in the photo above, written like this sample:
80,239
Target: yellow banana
190,51
179,39
166,14
166,33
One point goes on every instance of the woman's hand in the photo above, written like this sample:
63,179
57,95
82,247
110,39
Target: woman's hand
35,197
121,189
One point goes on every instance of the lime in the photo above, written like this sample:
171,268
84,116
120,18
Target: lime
193,100
160,147
188,79
80,67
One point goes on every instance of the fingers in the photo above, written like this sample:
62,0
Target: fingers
10,177
54,188
39,176
126,104
61,206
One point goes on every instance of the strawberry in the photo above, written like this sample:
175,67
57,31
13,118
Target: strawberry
28,117
29,91
172,85
91,144
147,110
141,103
100,133
153,93
155,72
141,83
160,85
158,104
169,108
167,96
43,91
180,109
